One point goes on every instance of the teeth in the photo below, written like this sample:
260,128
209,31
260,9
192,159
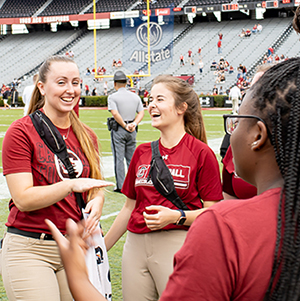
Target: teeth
67,99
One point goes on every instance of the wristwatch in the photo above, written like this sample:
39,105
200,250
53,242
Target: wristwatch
182,218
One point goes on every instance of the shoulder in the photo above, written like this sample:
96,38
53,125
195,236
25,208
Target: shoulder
196,146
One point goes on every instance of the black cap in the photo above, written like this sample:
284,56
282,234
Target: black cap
119,76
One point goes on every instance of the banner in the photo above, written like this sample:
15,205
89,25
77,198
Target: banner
135,43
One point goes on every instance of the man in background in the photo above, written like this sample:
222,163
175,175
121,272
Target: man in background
123,106
235,95
27,93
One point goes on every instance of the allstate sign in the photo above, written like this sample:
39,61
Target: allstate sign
155,31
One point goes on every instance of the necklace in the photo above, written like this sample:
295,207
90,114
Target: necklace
66,137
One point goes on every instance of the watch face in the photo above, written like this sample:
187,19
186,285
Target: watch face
182,220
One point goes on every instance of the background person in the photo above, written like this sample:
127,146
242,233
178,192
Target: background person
27,93
154,224
123,106
40,186
235,95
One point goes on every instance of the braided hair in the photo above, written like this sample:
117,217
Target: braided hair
276,98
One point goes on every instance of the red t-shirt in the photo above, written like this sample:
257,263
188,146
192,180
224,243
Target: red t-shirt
196,175
219,43
199,50
228,253
232,184
24,151
190,53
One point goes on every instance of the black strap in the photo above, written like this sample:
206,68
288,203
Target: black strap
162,179
55,142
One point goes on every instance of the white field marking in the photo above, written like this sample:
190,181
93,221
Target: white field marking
106,216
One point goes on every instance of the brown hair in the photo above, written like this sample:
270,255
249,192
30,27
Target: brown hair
184,93
296,20
82,131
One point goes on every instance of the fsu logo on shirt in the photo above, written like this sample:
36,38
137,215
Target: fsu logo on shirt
75,161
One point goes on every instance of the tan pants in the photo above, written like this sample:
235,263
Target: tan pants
148,262
32,270
235,105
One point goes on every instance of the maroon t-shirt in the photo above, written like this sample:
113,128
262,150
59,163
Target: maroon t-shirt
228,253
233,184
196,175
24,151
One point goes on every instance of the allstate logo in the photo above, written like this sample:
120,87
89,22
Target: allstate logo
155,34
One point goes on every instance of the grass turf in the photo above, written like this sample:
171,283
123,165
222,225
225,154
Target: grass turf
96,119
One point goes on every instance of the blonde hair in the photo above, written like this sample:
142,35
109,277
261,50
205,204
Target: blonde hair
184,93
82,131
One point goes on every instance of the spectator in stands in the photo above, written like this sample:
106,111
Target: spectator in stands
119,63
270,51
277,58
220,36
88,72
219,44
199,52
222,78
248,33
215,90
254,29
181,60
200,66
244,71
243,33
259,27
114,63
192,62
231,69
71,54
189,55
282,57
213,65
27,93
270,59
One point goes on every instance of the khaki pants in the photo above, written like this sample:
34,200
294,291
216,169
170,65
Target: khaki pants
32,270
235,105
148,262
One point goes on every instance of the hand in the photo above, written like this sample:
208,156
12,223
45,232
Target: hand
72,251
130,127
94,208
162,218
85,184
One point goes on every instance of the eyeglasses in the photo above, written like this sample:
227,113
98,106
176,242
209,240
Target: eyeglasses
231,122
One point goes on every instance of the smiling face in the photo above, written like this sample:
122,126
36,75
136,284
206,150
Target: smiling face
61,88
162,108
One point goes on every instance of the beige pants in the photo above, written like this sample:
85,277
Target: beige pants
235,105
32,270
148,262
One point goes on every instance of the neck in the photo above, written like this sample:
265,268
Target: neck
61,120
170,138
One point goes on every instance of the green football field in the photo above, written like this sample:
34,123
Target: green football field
96,119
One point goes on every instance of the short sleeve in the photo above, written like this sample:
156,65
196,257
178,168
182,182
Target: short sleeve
111,104
16,150
205,267
209,181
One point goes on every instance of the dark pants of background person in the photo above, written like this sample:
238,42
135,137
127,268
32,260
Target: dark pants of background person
123,145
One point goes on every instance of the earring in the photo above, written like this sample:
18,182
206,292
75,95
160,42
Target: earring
254,143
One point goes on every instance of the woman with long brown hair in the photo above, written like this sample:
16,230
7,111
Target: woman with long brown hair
41,188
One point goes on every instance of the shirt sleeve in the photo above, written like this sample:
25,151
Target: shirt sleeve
209,181
205,267
111,104
17,150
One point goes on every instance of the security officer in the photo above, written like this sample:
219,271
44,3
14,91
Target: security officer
123,106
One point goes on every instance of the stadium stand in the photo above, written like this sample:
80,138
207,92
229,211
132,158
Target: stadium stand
108,5
66,7
16,8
